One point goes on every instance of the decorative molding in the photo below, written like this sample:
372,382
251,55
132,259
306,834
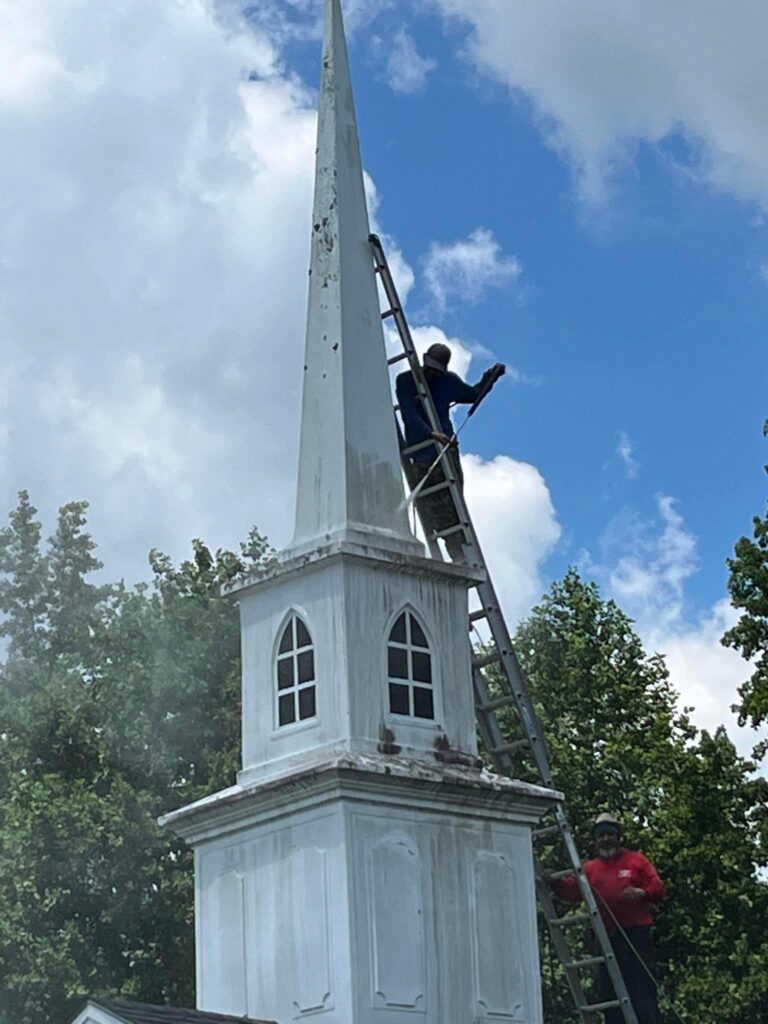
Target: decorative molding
396,921
227,907
497,947
397,781
335,551
306,877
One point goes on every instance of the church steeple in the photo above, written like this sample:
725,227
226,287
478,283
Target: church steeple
363,868
350,483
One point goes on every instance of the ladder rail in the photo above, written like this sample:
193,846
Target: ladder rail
514,691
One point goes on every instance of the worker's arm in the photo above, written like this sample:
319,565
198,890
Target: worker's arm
467,394
649,887
650,883
417,428
566,888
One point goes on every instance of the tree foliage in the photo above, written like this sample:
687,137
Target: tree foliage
748,585
116,705
687,800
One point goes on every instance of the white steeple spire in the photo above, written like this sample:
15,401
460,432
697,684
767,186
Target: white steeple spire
350,483
363,869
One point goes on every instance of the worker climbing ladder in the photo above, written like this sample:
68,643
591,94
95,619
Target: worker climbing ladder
509,690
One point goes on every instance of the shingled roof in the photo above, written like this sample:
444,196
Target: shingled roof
128,1012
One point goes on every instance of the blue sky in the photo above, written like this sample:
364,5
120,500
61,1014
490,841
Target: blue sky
645,317
582,197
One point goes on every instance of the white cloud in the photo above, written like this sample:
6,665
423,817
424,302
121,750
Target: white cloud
154,223
645,566
707,674
407,70
626,453
603,80
402,272
467,269
516,522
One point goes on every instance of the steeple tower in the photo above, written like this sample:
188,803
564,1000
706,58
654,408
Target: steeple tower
350,482
364,869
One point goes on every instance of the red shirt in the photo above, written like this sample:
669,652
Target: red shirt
609,878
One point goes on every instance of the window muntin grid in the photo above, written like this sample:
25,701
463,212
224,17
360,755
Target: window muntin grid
295,674
409,669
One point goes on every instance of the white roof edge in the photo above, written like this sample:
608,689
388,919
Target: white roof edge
94,1013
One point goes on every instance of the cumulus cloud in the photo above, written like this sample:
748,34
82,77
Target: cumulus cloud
516,522
649,563
647,71
645,565
406,69
707,674
154,239
464,271
402,272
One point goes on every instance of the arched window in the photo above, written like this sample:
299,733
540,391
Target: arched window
409,669
295,674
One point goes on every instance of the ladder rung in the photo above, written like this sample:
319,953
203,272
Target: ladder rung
487,659
390,312
450,531
510,748
481,613
433,490
568,919
589,961
397,359
494,705
557,875
417,447
614,1004
548,830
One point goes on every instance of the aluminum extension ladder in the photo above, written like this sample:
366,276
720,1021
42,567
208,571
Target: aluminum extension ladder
514,693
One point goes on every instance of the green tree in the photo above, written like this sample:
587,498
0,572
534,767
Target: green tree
687,800
748,585
23,584
116,705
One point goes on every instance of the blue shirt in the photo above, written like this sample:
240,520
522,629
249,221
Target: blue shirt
447,389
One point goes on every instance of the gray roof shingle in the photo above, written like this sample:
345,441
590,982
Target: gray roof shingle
143,1013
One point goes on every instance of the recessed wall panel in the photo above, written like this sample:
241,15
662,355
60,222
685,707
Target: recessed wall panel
307,889
397,924
497,954
228,977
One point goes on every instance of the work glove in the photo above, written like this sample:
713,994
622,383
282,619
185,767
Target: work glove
493,372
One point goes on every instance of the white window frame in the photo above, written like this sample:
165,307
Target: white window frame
296,688
412,720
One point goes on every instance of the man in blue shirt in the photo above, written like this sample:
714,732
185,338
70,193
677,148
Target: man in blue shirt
437,510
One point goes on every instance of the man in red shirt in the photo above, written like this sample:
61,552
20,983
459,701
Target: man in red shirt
626,886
